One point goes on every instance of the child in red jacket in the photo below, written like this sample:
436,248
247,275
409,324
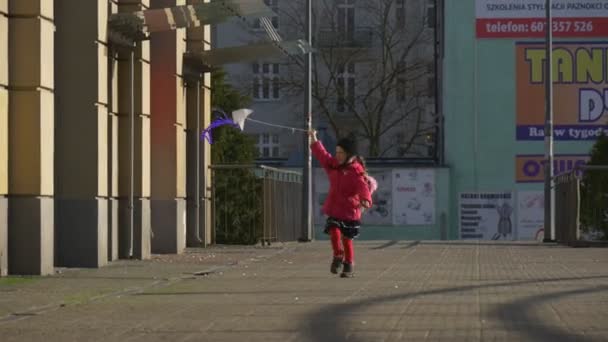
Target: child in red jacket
349,192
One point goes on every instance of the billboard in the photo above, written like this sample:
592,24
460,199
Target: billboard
530,168
526,18
580,90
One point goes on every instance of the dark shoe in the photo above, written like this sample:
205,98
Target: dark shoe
336,265
348,271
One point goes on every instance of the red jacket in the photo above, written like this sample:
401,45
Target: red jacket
347,186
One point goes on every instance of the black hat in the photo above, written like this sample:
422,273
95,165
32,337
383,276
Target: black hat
349,145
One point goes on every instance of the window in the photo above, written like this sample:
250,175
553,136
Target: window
431,89
266,81
274,5
430,14
346,19
401,143
400,13
401,89
432,86
400,138
269,145
346,86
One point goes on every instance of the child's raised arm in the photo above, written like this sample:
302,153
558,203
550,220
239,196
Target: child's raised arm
319,151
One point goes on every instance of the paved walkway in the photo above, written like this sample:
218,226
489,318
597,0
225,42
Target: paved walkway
410,291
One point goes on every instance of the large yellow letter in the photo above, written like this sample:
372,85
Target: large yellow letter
563,71
590,65
536,56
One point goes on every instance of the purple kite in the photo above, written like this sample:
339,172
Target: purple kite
238,121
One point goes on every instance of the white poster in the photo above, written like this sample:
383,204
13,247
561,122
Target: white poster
381,212
486,216
413,197
530,214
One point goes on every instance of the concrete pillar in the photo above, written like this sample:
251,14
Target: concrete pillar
31,137
168,138
81,144
3,137
198,39
141,209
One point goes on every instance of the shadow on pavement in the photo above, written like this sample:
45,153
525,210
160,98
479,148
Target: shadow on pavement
324,325
386,245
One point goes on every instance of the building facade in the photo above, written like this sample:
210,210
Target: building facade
495,107
376,70
97,141
374,76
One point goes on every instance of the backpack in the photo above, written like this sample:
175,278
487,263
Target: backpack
372,184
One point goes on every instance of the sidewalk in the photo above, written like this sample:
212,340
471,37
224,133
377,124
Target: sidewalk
404,290
28,296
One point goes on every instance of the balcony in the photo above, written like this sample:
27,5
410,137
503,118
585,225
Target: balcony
361,38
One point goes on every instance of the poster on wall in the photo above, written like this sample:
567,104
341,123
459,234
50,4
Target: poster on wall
530,214
530,168
413,197
580,97
404,197
381,212
526,18
486,216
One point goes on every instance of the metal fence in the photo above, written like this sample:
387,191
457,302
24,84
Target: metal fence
255,204
581,204
567,207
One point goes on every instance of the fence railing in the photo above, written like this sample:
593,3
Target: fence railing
579,208
567,207
253,204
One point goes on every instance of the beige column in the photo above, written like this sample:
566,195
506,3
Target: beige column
31,136
3,137
113,149
198,39
81,141
140,234
168,137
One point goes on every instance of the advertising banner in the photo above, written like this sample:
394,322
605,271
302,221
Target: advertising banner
526,18
531,168
580,91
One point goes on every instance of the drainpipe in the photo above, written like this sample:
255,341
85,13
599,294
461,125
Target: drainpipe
198,165
131,152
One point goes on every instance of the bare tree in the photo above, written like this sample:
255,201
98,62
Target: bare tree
385,50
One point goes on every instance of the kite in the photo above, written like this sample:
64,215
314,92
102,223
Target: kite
238,121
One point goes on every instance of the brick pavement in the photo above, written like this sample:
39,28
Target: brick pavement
403,290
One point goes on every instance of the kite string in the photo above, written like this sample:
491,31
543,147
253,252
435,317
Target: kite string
275,125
